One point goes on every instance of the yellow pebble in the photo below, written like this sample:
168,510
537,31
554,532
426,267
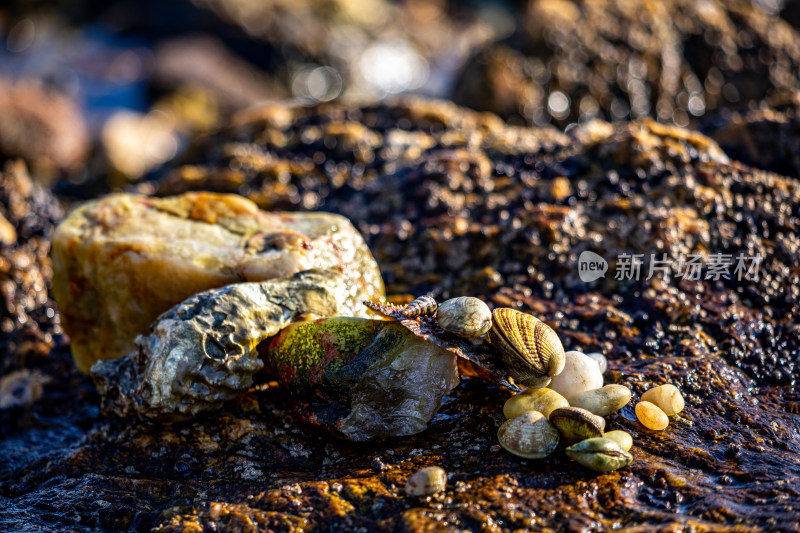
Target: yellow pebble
623,438
666,397
651,416
543,400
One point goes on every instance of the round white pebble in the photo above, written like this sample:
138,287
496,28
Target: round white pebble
581,373
602,362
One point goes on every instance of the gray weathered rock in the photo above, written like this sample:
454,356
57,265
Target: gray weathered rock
202,352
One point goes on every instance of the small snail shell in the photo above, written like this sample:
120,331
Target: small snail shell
422,306
464,316
427,481
529,347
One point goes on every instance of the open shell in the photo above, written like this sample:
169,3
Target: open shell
576,424
600,454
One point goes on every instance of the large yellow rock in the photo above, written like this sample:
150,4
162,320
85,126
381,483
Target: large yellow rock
122,260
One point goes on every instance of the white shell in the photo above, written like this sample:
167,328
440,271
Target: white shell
602,362
581,373
427,481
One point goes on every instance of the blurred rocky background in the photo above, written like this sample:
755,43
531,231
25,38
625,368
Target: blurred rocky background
96,95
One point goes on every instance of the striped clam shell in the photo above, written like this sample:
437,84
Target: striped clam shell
422,306
529,347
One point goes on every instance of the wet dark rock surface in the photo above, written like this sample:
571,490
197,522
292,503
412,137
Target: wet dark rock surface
459,203
765,137
28,318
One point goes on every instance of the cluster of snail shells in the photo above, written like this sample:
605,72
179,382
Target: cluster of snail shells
530,350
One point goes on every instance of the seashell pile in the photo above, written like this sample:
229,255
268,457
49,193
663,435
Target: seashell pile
565,400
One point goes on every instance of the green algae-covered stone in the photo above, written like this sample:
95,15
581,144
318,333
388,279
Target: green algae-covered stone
364,378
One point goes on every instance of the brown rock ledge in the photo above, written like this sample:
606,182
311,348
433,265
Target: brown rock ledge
474,212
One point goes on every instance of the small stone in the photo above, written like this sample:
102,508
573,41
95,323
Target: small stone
666,397
623,438
427,481
581,373
602,362
8,235
21,388
543,400
651,416
392,380
378,465
43,127
603,401
135,143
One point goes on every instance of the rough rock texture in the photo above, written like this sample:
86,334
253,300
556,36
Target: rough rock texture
767,137
673,60
28,320
470,206
202,352
155,253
